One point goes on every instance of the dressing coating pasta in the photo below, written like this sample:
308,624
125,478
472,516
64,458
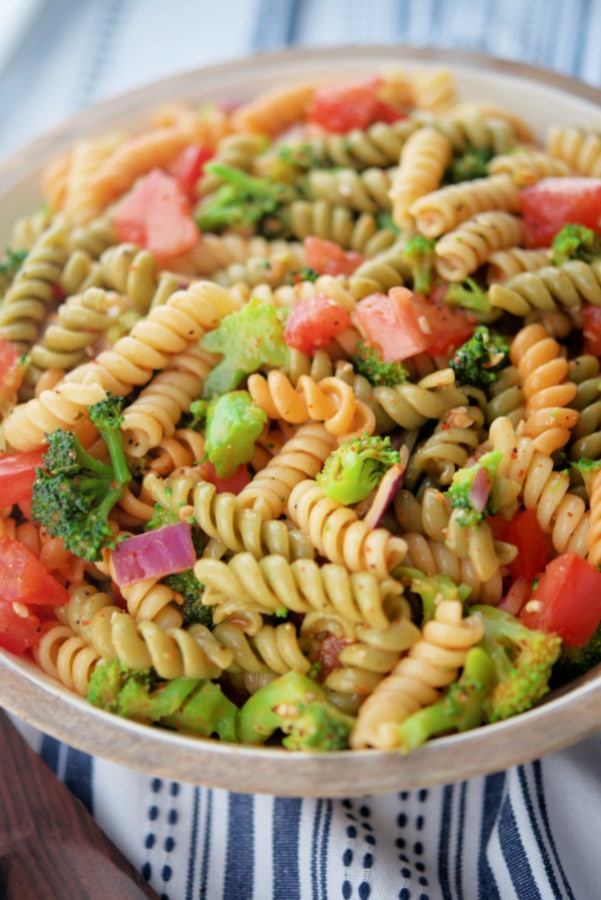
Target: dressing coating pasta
302,207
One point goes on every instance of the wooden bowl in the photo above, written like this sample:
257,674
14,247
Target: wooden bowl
542,98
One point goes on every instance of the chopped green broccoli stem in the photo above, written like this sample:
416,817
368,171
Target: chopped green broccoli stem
419,251
352,471
367,361
523,660
242,200
206,711
13,262
575,661
575,242
152,704
471,164
460,489
479,361
187,585
74,493
463,706
468,294
184,704
297,706
233,425
431,589
248,339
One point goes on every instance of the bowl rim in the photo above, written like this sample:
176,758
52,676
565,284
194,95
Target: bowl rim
56,711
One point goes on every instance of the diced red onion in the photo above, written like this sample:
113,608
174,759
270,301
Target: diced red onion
481,489
154,554
387,488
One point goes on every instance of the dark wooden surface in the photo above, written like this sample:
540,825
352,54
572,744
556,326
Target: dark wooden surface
50,846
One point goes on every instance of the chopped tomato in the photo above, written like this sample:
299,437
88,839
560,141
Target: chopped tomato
591,329
552,203
20,628
567,600
329,258
341,108
525,533
11,373
17,474
23,578
157,215
314,322
188,165
401,324
233,484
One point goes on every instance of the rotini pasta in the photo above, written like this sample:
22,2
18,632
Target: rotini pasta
335,402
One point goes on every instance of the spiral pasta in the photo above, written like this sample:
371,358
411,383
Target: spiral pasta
423,160
467,247
543,372
431,664
444,448
340,536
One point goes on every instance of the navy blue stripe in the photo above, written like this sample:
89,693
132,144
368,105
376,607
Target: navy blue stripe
277,24
314,837
286,841
537,770
494,786
193,847
444,875
78,777
206,850
515,854
50,752
460,836
324,848
537,832
239,858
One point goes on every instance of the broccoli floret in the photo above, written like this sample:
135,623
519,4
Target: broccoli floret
575,242
187,585
479,361
185,704
233,425
74,493
248,339
523,660
461,490
431,589
297,706
355,468
463,707
419,252
107,682
473,163
243,200
575,661
367,361
468,294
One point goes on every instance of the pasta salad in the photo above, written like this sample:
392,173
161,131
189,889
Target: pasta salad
300,429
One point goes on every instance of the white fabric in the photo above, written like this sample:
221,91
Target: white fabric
531,832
